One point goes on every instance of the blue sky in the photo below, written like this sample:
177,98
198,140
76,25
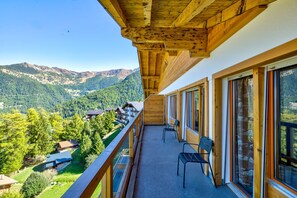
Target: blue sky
72,34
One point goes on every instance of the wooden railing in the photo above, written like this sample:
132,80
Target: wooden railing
101,170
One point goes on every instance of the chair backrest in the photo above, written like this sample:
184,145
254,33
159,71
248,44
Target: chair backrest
176,123
206,144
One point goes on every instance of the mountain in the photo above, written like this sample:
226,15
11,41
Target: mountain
23,93
130,89
75,83
27,85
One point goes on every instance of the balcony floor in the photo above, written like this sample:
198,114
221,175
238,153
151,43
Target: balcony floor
157,177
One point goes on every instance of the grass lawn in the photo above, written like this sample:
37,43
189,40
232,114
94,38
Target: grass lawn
23,175
65,178
117,130
55,190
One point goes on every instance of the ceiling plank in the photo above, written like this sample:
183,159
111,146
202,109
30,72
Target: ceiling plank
154,78
162,34
147,11
150,46
114,9
153,90
194,8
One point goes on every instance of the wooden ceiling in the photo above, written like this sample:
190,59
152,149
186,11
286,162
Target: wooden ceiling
172,36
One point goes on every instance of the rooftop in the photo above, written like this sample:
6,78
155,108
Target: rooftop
4,180
59,157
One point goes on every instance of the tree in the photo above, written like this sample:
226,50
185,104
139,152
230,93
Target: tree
13,142
87,129
34,185
58,131
109,118
97,125
98,145
75,128
39,132
90,159
86,145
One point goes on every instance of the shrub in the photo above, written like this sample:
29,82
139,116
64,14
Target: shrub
11,195
90,159
34,184
50,173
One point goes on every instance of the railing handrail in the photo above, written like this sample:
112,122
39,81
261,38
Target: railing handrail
91,177
289,124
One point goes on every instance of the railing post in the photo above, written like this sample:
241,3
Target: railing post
137,128
131,144
107,183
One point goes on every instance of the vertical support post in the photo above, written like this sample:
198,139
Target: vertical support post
107,183
179,114
258,99
217,130
137,128
131,144
206,118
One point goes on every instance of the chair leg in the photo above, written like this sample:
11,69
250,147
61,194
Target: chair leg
177,171
184,175
212,175
202,168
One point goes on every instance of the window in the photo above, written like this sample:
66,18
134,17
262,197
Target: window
195,109
242,133
285,126
173,102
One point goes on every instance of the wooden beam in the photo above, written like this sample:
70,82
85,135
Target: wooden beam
199,54
153,90
172,52
185,45
258,98
217,130
194,8
162,34
155,78
149,46
234,10
107,183
114,9
147,11
223,31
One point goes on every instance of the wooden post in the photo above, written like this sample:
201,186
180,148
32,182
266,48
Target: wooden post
258,81
107,183
131,144
137,128
217,130
179,114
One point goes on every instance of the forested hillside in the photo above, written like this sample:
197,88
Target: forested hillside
24,93
129,89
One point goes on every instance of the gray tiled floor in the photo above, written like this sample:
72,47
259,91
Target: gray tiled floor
157,171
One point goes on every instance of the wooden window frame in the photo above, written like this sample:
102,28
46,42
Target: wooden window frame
231,127
271,130
170,117
278,53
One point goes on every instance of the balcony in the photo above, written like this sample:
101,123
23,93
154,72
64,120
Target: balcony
138,164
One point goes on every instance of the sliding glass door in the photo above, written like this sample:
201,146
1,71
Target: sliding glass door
242,133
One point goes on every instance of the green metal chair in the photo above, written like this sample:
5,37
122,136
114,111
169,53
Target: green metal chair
197,157
172,128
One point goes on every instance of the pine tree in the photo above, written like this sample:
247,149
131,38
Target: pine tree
109,118
97,125
39,133
87,129
85,146
58,131
75,128
98,145
13,142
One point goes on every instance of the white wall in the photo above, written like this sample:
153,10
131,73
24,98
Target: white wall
273,27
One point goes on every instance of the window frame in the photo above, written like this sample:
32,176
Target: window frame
231,124
170,107
273,121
